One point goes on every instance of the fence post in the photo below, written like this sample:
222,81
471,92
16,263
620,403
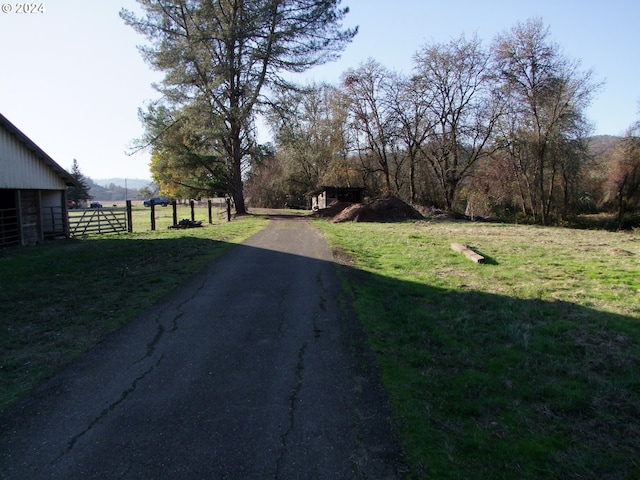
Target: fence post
193,213
153,215
129,217
210,217
174,204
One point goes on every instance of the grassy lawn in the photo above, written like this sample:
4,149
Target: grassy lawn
527,366
58,300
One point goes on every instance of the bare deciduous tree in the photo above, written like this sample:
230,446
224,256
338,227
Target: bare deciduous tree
311,137
457,79
623,184
374,119
547,94
412,106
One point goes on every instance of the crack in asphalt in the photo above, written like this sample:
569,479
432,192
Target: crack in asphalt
151,347
160,330
293,405
110,408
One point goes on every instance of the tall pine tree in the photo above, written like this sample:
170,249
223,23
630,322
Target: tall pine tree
80,193
221,56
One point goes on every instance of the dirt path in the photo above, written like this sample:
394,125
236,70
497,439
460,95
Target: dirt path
249,371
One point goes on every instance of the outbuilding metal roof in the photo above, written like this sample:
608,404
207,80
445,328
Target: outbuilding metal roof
37,151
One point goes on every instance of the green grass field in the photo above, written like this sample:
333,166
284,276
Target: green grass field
526,366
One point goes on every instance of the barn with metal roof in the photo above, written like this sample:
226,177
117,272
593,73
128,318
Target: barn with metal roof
32,190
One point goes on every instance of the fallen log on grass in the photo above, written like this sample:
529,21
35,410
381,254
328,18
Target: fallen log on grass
467,252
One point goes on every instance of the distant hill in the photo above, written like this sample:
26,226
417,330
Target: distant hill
113,189
602,145
133,183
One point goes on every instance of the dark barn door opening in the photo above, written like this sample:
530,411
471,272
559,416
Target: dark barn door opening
9,230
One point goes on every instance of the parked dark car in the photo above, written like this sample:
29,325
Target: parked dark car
164,201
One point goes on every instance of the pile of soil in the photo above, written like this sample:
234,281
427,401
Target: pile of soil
381,210
332,210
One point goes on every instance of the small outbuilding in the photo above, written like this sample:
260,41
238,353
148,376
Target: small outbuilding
325,196
33,205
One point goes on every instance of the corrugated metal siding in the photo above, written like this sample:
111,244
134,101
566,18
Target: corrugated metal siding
20,168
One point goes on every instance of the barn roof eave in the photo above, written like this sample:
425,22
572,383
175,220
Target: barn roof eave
38,152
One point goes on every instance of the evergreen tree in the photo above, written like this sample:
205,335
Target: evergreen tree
221,56
80,193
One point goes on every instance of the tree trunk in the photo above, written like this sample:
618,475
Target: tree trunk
565,196
621,202
412,179
237,191
541,193
235,151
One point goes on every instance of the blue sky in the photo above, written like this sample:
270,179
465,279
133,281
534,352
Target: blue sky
72,79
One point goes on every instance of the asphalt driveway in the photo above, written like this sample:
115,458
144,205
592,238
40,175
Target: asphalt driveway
252,370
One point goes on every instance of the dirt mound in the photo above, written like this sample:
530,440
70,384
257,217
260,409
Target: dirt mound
332,210
383,209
